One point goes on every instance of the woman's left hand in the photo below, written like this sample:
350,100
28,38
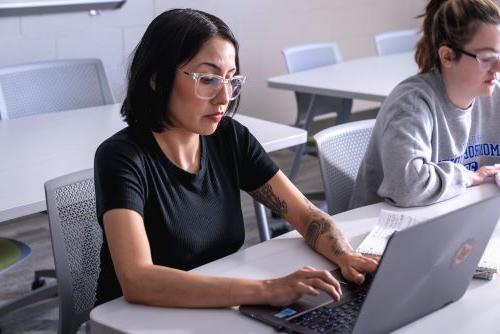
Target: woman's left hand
355,266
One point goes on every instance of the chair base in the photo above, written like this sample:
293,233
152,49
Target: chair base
35,296
40,291
38,282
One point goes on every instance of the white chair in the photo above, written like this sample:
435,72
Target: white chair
341,149
52,86
304,57
396,41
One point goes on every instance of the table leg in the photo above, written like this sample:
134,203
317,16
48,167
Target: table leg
299,152
344,113
260,214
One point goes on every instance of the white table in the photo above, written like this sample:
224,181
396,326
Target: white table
370,79
477,312
38,148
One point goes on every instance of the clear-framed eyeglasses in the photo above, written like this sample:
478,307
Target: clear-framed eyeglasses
208,85
486,59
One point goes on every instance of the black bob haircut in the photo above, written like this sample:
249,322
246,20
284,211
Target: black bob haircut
170,41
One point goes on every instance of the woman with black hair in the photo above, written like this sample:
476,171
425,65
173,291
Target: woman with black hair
168,185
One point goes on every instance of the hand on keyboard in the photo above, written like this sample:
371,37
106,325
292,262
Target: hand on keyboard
286,290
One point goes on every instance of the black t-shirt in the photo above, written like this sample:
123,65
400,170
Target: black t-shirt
190,219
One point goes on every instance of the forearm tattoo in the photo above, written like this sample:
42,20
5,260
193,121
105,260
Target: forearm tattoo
322,224
266,196
315,229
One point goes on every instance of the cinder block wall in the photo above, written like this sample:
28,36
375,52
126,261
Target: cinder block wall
263,27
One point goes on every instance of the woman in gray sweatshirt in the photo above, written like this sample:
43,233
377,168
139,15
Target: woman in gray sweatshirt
438,132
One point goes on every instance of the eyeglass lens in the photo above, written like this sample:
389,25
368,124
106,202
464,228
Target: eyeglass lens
209,86
488,60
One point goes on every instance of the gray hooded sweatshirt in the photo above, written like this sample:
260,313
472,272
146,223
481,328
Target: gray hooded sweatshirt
422,146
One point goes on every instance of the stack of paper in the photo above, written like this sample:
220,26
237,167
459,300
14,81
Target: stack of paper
390,222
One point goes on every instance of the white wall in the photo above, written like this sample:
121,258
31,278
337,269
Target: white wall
263,28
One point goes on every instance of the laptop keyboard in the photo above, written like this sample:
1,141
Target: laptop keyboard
333,318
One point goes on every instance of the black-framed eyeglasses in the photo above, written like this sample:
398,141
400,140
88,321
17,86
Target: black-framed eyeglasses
486,59
208,85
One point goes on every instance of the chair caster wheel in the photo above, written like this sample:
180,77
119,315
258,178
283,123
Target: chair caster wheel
38,283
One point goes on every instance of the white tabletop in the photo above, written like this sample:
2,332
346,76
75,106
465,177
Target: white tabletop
477,312
38,148
370,78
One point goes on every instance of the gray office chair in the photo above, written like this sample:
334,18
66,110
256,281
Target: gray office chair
304,57
76,243
396,41
52,86
341,149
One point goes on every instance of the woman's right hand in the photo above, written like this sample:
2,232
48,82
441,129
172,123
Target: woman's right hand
285,290
484,174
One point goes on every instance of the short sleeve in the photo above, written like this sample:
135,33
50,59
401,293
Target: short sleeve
255,165
119,176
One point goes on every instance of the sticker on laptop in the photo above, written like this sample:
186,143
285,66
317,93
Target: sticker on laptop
285,313
463,253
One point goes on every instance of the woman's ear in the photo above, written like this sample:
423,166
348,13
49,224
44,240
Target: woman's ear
447,56
152,82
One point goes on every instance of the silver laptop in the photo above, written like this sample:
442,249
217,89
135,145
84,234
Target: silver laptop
423,269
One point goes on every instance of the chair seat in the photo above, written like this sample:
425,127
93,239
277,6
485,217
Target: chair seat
12,252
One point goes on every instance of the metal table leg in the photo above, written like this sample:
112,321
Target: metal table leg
301,148
260,213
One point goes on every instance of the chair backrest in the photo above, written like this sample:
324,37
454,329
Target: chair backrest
307,56
341,149
52,86
396,41
76,243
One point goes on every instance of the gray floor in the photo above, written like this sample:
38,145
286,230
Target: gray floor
34,230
